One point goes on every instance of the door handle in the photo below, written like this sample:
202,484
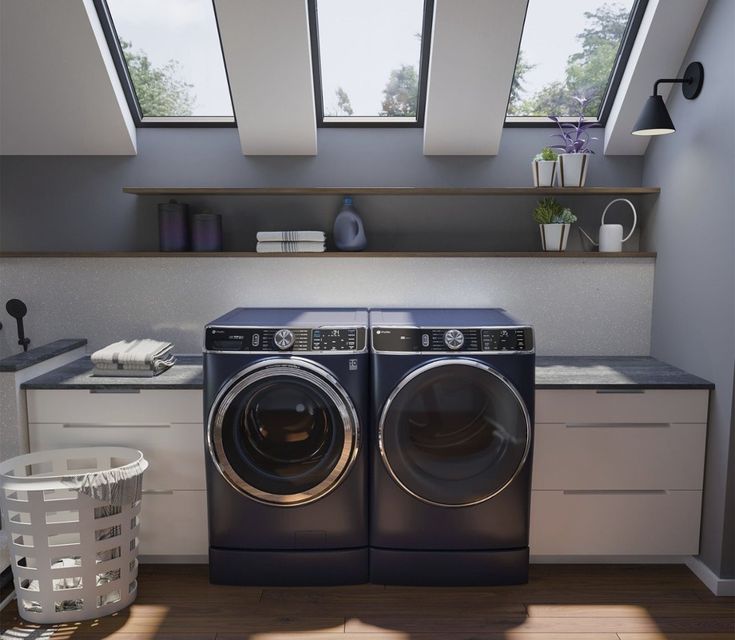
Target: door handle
614,492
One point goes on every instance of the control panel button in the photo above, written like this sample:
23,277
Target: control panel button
284,339
454,339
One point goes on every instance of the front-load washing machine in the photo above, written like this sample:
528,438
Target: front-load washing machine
451,446
285,411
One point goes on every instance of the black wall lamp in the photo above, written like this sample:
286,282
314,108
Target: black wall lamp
655,119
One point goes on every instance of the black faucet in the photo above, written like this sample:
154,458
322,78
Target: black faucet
18,310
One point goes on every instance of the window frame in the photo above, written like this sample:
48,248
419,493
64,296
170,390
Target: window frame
131,97
616,75
371,122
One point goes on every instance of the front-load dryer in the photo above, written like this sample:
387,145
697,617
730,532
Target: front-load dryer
451,446
285,412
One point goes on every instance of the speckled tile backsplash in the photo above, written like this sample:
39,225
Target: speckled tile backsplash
577,306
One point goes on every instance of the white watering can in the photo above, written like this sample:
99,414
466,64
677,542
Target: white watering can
611,235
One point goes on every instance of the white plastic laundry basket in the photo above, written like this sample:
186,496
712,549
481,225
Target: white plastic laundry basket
73,516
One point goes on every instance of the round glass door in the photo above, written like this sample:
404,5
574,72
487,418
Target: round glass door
454,433
283,432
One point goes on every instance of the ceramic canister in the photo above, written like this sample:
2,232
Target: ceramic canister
173,226
206,232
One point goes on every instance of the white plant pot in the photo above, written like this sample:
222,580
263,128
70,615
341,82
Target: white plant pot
573,169
554,236
544,173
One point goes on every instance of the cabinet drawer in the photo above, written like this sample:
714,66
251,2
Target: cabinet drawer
582,406
174,523
153,406
615,523
175,452
619,456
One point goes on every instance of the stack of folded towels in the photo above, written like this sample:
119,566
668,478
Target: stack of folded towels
291,242
133,358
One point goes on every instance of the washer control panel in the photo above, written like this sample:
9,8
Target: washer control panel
480,340
285,339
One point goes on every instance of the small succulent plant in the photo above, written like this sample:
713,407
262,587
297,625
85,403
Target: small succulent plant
574,137
547,153
549,211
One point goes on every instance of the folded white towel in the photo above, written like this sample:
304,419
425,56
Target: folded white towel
291,236
290,247
135,355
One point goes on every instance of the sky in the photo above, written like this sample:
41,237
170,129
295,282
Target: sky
361,41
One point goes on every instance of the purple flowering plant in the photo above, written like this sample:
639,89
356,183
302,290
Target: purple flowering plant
575,137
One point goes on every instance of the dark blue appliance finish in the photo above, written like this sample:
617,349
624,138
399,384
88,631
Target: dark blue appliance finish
286,415
451,446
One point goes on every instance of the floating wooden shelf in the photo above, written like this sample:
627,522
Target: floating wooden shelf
391,191
331,254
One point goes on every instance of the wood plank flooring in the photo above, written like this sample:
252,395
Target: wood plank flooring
561,602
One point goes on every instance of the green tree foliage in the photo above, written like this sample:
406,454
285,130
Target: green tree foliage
401,92
517,88
344,106
587,71
159,89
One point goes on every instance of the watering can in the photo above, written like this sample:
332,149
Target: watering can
611,235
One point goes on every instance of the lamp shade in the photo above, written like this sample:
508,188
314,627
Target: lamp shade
654,119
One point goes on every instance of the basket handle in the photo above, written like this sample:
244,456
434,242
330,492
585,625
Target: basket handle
632,207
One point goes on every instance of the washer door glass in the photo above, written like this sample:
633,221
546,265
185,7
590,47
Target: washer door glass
454,433
284,434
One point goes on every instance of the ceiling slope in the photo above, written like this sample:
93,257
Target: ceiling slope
268,57
473,54
663,39
59,91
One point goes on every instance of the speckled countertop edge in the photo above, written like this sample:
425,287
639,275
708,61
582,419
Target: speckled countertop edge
26,359
552,372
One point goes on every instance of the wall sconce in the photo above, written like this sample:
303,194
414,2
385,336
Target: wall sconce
654,119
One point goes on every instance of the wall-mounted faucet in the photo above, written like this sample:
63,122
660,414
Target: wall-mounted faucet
18,310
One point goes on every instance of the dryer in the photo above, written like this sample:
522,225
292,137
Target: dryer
451,446
285,410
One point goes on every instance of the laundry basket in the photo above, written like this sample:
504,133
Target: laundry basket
73,516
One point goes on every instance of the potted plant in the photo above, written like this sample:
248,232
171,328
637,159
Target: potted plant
575,149
554,223
544,168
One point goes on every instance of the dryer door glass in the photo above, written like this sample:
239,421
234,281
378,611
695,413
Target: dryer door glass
284,434
454,433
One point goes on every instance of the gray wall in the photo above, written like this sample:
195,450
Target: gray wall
692,227
76,203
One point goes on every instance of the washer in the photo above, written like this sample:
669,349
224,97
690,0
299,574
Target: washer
285,409
451,447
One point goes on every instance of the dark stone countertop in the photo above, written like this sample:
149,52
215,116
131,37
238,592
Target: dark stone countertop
185,374
26,359
612,372
552,372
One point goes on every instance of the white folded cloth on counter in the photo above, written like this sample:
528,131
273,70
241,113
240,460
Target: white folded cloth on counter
143,357
290,247
291,236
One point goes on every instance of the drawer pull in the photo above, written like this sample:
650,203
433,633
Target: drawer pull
113,390
158,492
628,391
92,425
623,425
613,492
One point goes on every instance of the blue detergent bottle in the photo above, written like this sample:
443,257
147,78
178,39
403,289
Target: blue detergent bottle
348,230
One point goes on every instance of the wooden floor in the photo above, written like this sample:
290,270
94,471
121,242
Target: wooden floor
561,602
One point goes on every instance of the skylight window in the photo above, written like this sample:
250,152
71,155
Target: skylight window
370,60
572,49
173,59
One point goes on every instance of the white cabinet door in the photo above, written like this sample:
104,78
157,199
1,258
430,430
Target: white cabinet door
174,524
613,523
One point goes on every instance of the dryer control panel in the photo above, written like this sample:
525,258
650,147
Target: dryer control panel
285,339
452,339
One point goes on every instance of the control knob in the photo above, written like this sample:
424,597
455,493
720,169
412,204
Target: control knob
454,339
284,339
